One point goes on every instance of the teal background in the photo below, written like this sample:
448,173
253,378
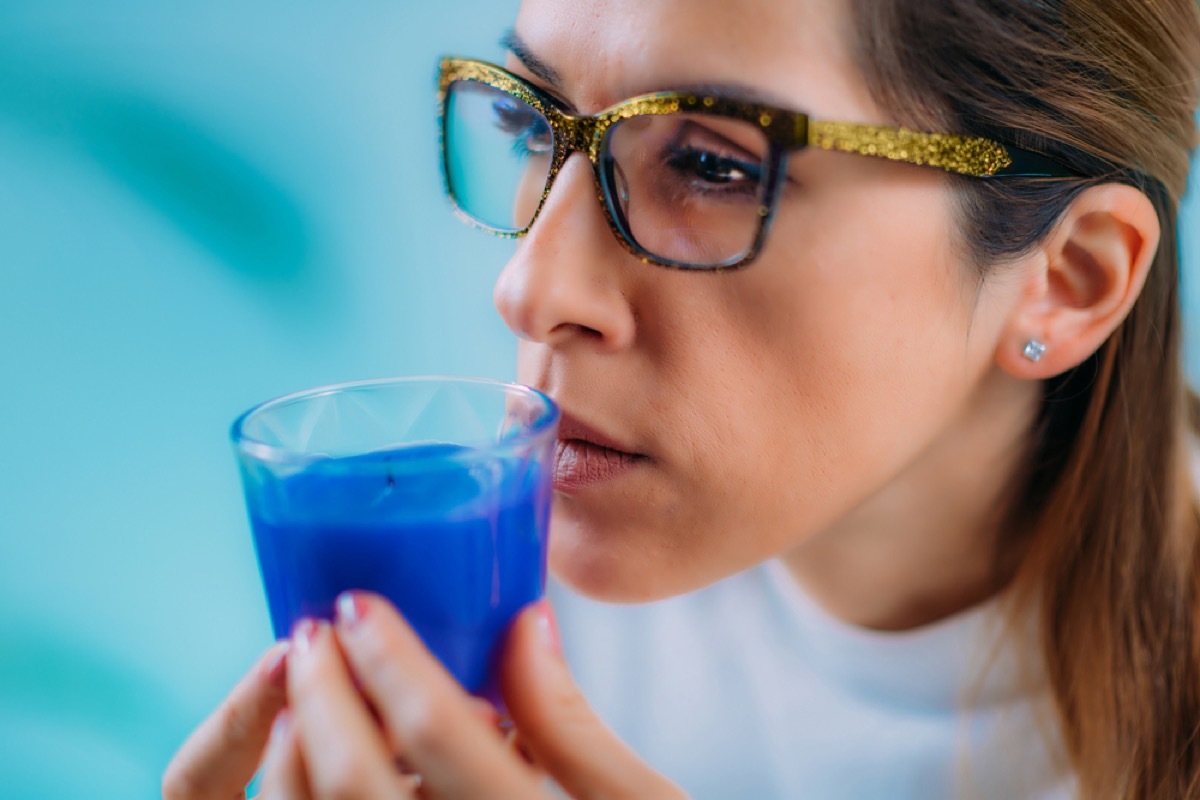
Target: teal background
202,205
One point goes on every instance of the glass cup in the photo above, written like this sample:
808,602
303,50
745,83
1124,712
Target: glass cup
434,492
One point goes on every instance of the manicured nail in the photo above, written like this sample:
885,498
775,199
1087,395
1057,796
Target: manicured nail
351,607
548,627
275,667
303,635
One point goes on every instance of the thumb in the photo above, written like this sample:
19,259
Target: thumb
556,724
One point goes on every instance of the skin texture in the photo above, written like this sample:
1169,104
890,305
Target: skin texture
854,402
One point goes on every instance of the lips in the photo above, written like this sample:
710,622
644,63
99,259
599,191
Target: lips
587,457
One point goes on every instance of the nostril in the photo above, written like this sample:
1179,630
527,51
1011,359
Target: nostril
567,329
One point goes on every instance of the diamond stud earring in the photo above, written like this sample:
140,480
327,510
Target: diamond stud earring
1034,350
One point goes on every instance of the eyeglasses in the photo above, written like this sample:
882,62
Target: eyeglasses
687,180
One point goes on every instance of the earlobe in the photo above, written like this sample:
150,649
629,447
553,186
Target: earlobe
1090,271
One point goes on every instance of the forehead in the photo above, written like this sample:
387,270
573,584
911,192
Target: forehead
799,51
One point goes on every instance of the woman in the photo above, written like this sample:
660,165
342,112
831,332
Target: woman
897,420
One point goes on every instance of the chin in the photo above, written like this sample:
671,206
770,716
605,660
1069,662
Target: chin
613,565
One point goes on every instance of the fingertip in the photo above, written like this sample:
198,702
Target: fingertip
535,680
547,627
355,610
350,608
304,635
274,664
532,637
369,626
309,658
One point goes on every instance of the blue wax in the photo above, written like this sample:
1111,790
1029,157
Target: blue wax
459,549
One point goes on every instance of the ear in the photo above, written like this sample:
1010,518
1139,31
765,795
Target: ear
1081,282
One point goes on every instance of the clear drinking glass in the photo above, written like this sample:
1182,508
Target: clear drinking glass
434,492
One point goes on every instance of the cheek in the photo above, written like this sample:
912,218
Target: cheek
828,373
777,399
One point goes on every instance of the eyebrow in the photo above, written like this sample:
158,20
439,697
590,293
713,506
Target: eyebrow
735,91
513,42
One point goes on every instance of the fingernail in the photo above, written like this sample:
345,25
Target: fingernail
350,607
303,635
275,667
548,627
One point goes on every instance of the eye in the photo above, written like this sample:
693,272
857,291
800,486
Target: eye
710,167
528,128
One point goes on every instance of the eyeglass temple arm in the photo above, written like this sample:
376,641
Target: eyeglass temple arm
965,155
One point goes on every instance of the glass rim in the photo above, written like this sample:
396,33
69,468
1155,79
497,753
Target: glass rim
545,423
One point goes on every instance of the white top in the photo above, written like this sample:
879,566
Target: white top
747,689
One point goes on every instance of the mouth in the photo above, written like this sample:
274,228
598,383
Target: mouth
586,457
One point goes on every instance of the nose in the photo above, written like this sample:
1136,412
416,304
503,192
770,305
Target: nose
564,281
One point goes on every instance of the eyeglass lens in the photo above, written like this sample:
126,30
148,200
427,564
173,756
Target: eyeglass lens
685,188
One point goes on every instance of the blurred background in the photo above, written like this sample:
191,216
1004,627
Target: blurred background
202,205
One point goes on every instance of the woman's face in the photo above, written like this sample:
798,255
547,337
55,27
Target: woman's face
744,413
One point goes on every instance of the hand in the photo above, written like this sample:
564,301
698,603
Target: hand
339,741
221,756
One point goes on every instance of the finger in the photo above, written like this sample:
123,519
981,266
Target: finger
557,726
424,709
284,776
485,712
220,757
342,747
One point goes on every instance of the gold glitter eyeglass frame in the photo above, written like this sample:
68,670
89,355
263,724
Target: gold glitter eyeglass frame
786,131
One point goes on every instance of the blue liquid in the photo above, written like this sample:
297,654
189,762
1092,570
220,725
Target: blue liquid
458,549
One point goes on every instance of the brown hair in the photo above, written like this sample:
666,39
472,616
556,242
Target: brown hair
1104,542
